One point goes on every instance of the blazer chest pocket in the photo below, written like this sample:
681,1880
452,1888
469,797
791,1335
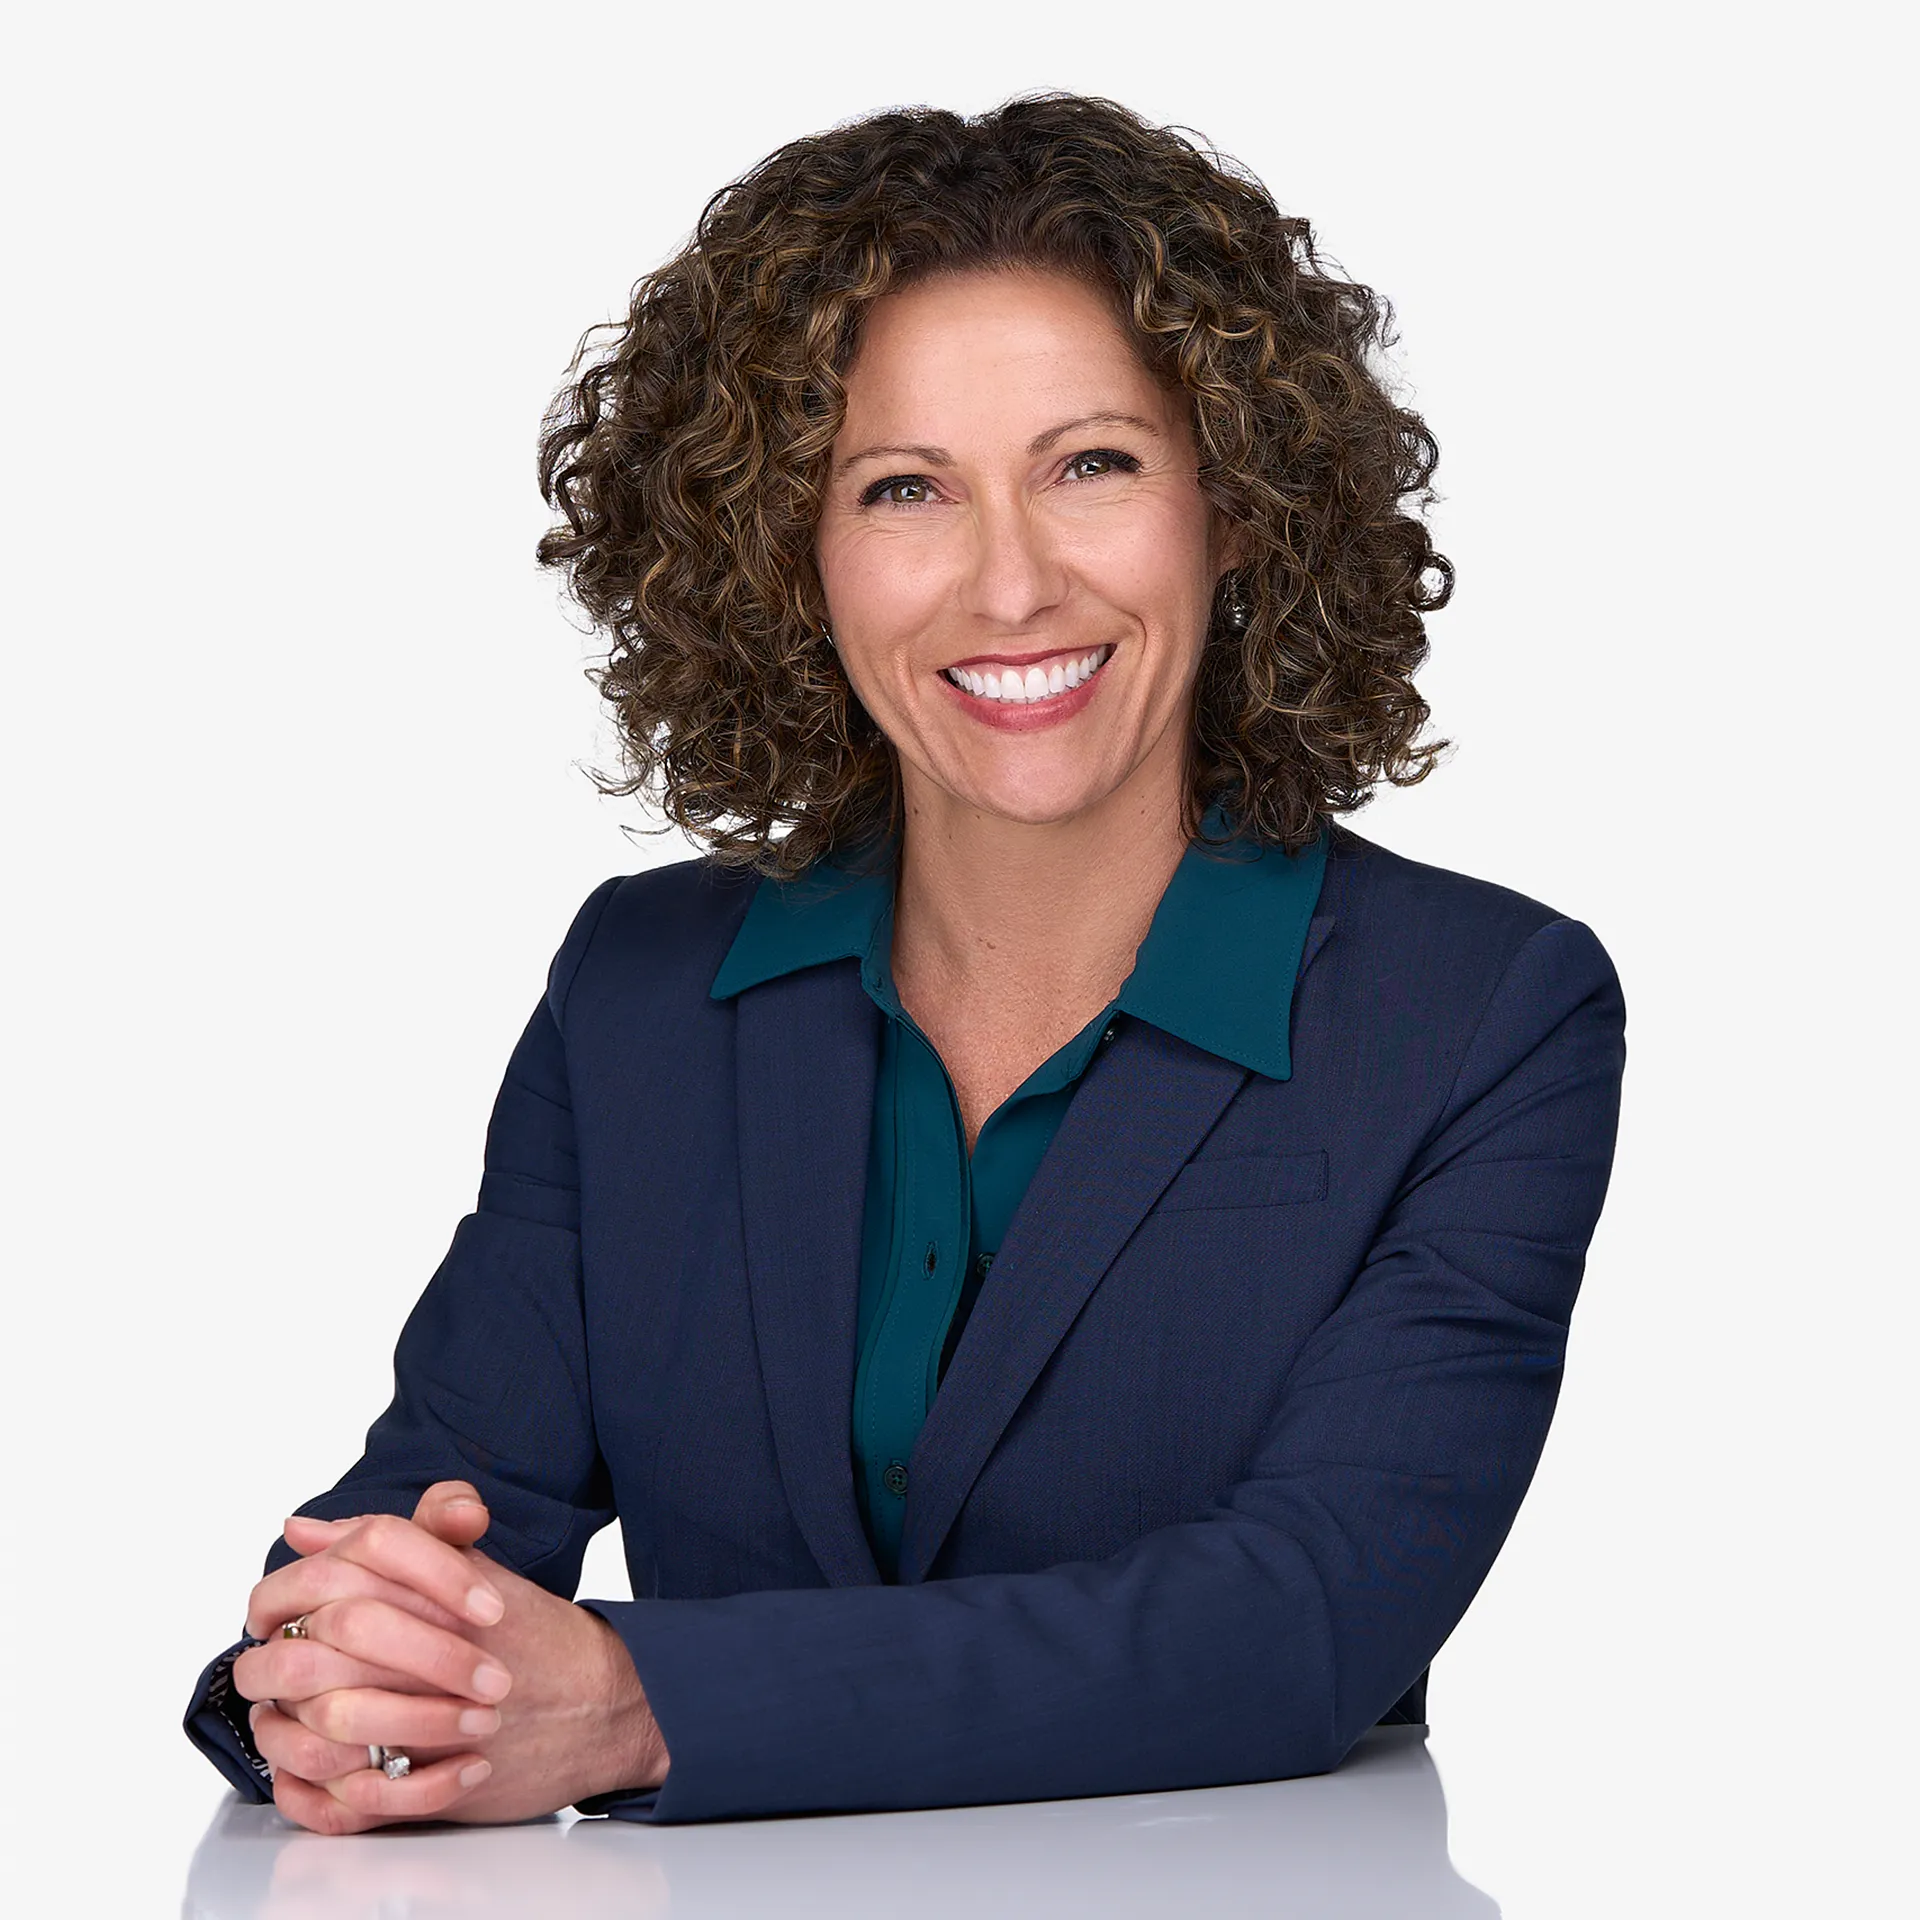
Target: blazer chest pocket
1247,1180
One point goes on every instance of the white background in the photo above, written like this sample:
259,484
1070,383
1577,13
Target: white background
295,730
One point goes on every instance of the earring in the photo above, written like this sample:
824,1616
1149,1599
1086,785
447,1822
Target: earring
1238,612
826,634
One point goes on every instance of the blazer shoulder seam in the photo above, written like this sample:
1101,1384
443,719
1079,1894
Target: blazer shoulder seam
1557,921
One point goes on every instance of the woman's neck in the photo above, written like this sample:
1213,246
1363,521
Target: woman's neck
1002,913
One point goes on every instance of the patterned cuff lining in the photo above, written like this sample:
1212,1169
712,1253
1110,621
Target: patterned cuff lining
232,1709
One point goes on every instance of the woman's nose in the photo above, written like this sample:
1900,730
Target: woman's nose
1013,572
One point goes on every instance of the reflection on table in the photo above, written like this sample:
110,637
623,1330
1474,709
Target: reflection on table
1369,1840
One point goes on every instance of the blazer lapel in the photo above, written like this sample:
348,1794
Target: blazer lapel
808,1053
1317,930
1146,1103
1143,1107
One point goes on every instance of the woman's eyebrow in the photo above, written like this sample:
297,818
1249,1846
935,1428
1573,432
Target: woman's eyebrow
1042,441
940,457
927,456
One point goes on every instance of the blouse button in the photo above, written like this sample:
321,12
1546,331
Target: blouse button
895,1479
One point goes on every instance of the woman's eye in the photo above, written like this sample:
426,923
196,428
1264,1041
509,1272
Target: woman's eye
1096,461
915,490
903,490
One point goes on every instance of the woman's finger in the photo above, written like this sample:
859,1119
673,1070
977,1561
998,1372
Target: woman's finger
411,1557
301,1669
423,1794
289,1747
302,1585
305,1535
355,1716
408,1554
452,1510
390,1637
314,1807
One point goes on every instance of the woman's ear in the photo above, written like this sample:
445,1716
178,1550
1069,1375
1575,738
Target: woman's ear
1231,547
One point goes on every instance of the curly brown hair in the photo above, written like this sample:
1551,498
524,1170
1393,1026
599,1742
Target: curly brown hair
688,457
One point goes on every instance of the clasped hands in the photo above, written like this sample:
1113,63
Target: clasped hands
509,1701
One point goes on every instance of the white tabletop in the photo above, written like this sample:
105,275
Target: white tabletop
1368,1840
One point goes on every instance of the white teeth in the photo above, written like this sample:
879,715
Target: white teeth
1036,683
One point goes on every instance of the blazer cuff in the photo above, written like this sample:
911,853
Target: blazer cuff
216,1723
637,1806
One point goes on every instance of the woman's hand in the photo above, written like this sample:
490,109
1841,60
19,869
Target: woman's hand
387,1602
503,1719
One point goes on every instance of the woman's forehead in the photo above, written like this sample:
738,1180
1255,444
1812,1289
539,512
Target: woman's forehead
1028,350
1004,306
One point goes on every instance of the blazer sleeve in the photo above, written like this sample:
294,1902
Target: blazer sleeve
490,1373
1261,1640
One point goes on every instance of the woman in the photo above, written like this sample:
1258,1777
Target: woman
1058,1254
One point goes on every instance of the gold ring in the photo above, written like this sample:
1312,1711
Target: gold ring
295,1629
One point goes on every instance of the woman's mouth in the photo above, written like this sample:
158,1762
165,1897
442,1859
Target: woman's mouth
1029,685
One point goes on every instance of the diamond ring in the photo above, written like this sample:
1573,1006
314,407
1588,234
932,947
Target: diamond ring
390,1760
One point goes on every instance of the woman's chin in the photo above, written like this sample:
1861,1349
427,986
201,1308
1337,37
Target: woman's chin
1030,802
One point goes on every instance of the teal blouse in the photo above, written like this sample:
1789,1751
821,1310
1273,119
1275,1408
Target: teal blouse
1216,969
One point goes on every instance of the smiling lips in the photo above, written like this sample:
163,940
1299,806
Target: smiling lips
1026,686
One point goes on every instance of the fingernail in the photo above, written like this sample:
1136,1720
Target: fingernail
253,1714
491,1682
473,1775
480,1720
485,1605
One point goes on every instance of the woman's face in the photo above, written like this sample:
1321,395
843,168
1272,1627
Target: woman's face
1017,557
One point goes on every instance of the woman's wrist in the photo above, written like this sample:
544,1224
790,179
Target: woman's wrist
628,1754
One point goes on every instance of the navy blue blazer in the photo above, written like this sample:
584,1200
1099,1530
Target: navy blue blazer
1244,1412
